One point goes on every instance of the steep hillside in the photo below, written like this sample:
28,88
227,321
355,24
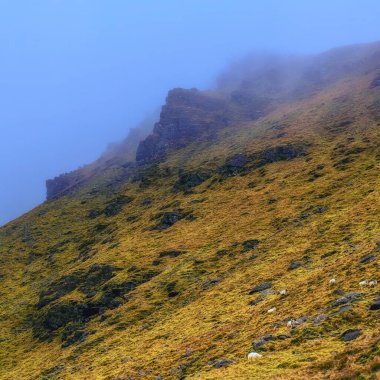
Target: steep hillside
166,267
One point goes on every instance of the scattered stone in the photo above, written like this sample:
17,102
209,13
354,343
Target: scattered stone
256,301
295,265
328,254
260,342
347,298
282,337
261,287
320,209
146,201
343,309
350,335
250,244
210,283
367,258
376,304
320,318
301,320
172,253
168,219
223,363
94,213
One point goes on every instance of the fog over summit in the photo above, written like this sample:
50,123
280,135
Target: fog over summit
76,76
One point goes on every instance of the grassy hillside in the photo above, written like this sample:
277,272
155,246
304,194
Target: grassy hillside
171,273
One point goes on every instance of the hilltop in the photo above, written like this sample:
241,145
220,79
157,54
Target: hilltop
161,259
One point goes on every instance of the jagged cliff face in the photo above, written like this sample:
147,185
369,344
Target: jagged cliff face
187,115
167,267
249,91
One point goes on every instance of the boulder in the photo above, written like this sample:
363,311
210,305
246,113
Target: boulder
168,219
347,298
375,305
260,342
261,287
250,244
367,258
350,335
295,264
319,318
223,363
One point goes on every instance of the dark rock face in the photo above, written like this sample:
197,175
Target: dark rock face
376,82
72,316
188,181
67,183
86,282
116,205
168,219
282,153
58,316
235,165
241,164
186,116
59,186
259,288
350,335
73,333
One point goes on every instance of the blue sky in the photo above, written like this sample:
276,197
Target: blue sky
77,74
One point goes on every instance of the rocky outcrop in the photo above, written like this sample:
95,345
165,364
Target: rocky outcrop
61,184
186,116
67,183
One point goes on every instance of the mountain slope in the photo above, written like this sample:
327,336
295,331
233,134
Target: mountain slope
166,267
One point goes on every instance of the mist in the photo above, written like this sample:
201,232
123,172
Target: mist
78,75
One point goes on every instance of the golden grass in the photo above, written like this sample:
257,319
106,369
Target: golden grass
182,337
